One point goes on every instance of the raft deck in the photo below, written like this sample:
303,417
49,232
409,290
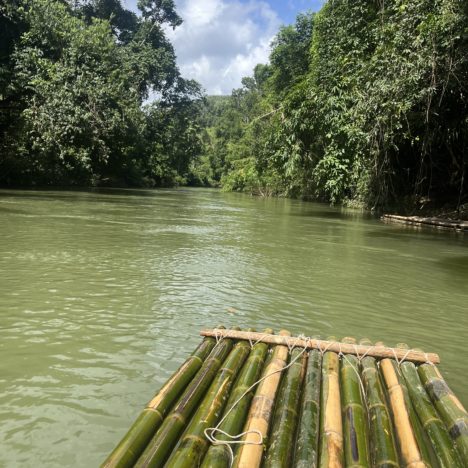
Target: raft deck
249,399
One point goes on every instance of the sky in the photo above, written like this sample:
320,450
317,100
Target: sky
221,41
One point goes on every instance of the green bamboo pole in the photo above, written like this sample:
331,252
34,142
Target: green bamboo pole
249,454
279,454
134,442
331,426
414,445
166,437
410,453
382,443
435,429
193,443
218,456
424,443
355,431
306,455
448,406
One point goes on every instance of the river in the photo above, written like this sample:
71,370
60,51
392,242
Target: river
103,294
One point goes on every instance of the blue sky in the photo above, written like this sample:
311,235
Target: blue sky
221,41
288,9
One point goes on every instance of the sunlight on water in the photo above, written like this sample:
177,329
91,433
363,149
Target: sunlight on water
103,294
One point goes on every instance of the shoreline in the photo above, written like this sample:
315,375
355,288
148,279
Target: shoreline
434,218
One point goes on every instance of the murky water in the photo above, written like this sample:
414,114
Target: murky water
102,296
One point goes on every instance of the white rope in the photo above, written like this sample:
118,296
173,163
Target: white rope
250,341
218,336
400,361
209,431
368,350
427,360
357,353
323,351
234,439
260,339
403,359
253,343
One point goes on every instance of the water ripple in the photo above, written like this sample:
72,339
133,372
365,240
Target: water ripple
103,293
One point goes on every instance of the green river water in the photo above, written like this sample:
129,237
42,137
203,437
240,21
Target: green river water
103,294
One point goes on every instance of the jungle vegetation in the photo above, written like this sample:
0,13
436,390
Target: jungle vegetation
364,102
75,82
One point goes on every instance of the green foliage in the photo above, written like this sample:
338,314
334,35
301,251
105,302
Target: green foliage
364,101
73,80
290,56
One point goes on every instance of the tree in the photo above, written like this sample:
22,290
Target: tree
363,102
76,75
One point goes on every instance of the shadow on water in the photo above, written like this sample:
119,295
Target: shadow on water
93,194
320,214
457,266
412,233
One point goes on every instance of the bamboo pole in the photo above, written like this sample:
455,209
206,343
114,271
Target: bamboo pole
382,443
444,449
250,453
355,432
434,222
134,442
193,443
425,447
279,454
166,437
219,456
406,438
306,454
448,406
331,426
313,343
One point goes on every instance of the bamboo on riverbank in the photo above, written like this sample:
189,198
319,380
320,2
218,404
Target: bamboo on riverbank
448,406
354,413
382,443
250,454
166,437
427,221
281,438
135,441
306,454
219,456
331,426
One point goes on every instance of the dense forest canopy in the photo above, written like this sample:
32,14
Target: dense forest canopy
75,77
365,102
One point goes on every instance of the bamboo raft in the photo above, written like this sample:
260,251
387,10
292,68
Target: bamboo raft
427,221
249,399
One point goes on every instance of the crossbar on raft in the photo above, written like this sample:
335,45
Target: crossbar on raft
335,346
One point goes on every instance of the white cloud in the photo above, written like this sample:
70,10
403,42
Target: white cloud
221,41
